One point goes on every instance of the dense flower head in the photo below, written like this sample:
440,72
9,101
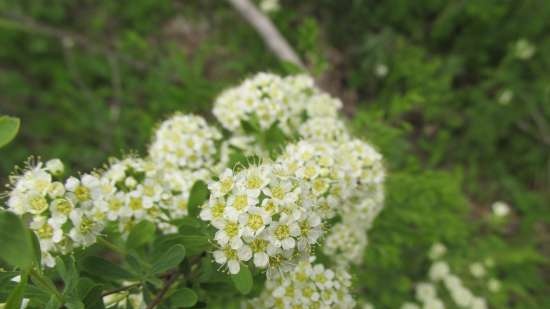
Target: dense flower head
346,243
307,286
184,141
265,213
62,214
269,99
269,213
323,129
146,191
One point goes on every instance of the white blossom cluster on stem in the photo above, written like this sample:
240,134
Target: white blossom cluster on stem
440,274
63,214
309,285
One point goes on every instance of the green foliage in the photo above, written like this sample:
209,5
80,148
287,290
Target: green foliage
17,243
198,195
8,129
451,142
243,280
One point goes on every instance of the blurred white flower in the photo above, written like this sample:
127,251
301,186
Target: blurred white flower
494,285
477,270
437,250
270,6
55,167
523,49
439,271
505,97
381,70
409,305
500,209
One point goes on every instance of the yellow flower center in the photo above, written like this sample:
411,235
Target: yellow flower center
115,204
38,204
304,228
231,229
217,210
270,207
258,245
282,232
253,182
135,203
278,192
45,231
320,185
255,222
241,201
310,171
63,206
230,253
86,225
149,190
82,193
226,185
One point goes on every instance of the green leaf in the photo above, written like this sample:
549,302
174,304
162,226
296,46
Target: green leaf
66,269
97,266
90,294
16,296
36,248
274,139
168,259
141,234
184,297
17,246
8,129
198,195
195,244
243,280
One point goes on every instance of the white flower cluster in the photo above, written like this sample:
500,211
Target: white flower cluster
269,99
440,272
157,188
184,141
360,200
144,192
271,213
63,215
308,286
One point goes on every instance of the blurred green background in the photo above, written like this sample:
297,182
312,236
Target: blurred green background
456,94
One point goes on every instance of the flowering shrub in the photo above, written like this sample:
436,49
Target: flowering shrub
256,200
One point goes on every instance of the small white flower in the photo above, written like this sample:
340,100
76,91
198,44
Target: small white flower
439,270
381,70
505,97
524,49
494,285
500,209
437,251
477,270
55,167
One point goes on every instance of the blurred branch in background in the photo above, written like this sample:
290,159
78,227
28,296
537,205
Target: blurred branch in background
267,30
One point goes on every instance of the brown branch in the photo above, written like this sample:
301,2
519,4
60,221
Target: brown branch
164,290
267,30
123,288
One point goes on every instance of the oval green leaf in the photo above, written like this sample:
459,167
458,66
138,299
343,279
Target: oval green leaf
9,126
143,233
169,259
17,245
198,195
243,280
184,297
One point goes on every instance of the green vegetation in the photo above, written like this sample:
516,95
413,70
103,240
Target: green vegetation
456,95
